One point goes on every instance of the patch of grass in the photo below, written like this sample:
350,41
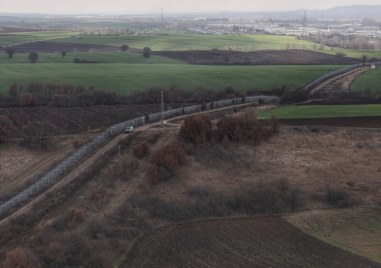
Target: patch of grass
368,84
321,111
129,78
100,57
194,42
22,37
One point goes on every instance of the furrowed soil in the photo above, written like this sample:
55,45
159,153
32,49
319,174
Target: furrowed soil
63,120
262,57
251,242
357,230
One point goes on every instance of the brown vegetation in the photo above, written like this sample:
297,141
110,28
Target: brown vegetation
196,129
294,169
165,161
20,258
140,150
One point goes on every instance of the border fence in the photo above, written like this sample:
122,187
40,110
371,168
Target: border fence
323,78
76,157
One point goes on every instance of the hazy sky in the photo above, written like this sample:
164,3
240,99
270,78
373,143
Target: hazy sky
154,6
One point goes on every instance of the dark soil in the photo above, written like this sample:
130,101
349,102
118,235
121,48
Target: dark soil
251,242
74,119
262,57
366,121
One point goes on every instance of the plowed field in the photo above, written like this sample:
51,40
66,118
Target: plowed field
247,242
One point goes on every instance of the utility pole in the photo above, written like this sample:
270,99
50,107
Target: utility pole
304,22
162,109
162,17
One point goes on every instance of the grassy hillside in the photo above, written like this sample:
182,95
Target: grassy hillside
192,42
180,42
127,78
21,37
322,111
101,57
369,83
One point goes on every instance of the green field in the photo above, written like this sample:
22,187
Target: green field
22,37
128,78
194,42
368,84
322,111
101,57
180,42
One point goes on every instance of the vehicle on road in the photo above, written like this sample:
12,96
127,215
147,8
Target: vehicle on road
129,129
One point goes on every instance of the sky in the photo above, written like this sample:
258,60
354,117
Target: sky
154,6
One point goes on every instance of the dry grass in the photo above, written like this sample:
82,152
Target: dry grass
311,160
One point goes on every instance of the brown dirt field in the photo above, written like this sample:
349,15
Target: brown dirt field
74,119
262,57
355,229
250,242
358,122
20,166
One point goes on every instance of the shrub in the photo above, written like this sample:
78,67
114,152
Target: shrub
20,258
337,198
77,214
196,129
140,150
152,174
167,160
244,127
129,168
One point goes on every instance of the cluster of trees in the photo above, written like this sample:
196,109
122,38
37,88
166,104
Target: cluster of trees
175,94
32,56
346,41
68,95
244,127
164,162
35,134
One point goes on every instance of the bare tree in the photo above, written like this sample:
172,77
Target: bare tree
63,53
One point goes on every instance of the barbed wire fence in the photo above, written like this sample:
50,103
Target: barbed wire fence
76,157
311,85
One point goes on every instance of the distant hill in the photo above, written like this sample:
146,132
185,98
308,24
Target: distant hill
352,12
